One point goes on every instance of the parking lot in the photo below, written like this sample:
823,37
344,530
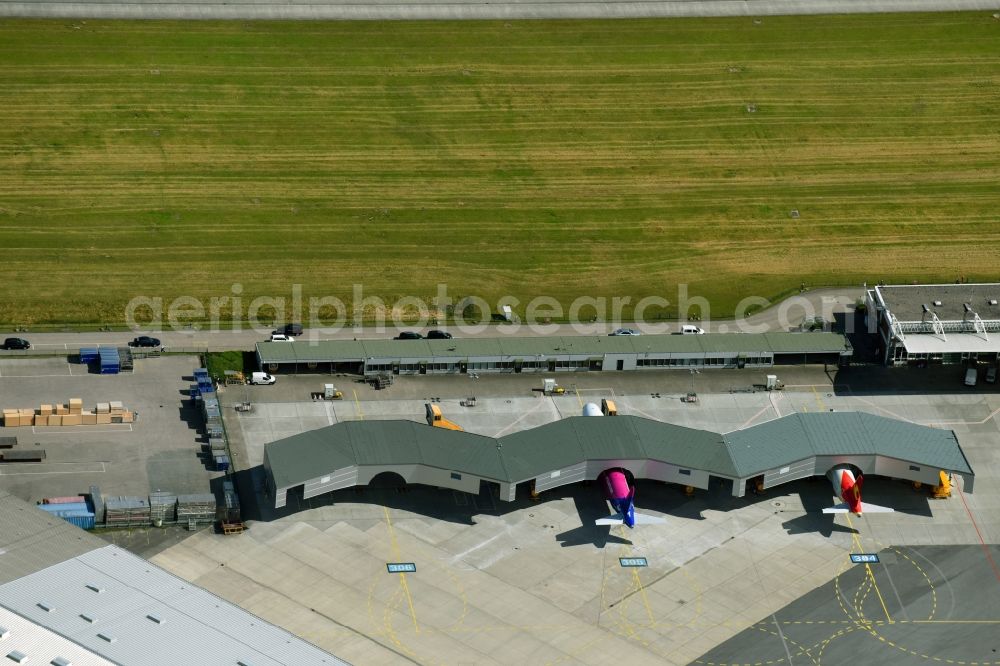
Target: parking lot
158,451
538,582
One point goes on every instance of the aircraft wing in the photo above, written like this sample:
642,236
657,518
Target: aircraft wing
643,519
865,508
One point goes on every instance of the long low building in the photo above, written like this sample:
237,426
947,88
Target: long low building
552,354
580,448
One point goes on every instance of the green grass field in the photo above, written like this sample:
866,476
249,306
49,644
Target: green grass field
523,158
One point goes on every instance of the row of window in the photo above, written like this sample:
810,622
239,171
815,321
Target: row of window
710,362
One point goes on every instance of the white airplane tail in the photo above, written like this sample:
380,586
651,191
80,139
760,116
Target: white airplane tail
865,508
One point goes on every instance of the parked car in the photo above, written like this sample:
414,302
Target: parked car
991,375
145,341
689,329
262,378
16,343
971,375
291,329
439,335
409,335
281,337
624,331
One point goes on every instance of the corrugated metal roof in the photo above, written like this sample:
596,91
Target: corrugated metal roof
31,539
812,343
42,646
531,453
800,436
684,447
194,627
306,351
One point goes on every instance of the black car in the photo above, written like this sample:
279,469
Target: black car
16,343
409,335
291,329
145,341
439,335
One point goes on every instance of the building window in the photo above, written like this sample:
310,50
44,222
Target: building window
456,476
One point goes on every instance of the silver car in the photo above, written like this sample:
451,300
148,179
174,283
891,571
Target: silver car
625,331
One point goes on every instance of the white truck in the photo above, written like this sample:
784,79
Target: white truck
262,378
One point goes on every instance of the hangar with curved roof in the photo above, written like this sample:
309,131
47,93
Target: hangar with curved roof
580,448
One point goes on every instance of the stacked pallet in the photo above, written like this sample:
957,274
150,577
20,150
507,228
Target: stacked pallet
197,508
229,510
162,507
124,511
97,499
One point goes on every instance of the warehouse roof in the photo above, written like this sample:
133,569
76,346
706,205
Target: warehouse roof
531,453
42,646
54,575
906,302
31,539
140,614
313,351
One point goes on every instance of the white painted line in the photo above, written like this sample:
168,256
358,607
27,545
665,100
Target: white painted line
76,430
70,368
31,376
523,416
103,470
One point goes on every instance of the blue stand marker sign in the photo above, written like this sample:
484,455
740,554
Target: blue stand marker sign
401,567
864,558
633,561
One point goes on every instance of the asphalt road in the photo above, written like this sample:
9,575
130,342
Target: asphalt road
780,317
469,9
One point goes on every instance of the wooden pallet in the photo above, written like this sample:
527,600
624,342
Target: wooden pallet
233,528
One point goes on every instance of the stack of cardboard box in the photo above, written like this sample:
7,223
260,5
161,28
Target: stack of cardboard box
68,415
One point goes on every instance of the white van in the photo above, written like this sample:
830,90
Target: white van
688,329
262,378
970,376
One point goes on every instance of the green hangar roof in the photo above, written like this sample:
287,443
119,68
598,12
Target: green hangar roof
320,351
531,453
800,436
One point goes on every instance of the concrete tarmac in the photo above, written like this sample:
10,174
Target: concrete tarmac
927,604
471,9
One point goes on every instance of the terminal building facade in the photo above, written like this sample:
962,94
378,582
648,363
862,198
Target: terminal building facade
935,323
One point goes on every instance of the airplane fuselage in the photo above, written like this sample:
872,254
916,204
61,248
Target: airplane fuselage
619,494
847,487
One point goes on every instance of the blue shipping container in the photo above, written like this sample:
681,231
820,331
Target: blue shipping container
82,519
